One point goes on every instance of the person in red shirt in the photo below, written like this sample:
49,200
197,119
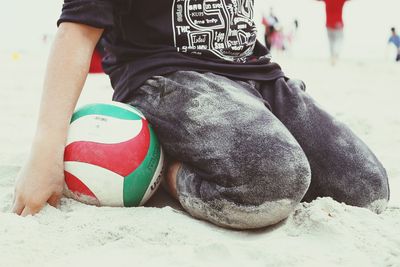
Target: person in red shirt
334,25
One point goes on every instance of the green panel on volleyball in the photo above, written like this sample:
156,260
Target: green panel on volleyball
136,183
106,110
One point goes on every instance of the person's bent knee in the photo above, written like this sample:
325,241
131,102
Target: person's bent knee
376,192
231,215
370,190
261,201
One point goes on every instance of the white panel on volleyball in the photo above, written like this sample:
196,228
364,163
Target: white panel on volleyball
103,129
149,191
107,186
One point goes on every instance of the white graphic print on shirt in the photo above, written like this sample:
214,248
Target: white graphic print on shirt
222,28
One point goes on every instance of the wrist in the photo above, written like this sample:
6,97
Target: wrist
49,139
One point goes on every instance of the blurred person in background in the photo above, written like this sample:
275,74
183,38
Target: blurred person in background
270,23
395,40
334,25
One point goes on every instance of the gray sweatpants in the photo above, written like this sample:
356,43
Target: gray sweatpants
252,151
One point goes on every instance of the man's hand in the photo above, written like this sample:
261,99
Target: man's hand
40,181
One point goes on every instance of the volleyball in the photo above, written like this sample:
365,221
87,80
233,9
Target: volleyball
112,156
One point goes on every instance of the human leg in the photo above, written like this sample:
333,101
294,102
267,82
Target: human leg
241,168
342,166
335,38
331,40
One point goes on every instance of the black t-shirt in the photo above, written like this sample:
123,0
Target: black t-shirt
144,38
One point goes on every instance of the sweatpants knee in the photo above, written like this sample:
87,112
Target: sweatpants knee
231,215
366,188
375,191
267,193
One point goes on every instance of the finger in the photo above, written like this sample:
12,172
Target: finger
31,210
54,200
26,211
18,206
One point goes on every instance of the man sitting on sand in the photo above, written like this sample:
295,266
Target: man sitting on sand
245,143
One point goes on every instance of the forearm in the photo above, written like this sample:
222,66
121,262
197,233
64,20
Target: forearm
41,179
66,73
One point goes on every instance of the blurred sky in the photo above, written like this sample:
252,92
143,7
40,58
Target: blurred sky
23,24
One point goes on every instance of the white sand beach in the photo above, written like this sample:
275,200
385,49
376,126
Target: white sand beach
362,91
